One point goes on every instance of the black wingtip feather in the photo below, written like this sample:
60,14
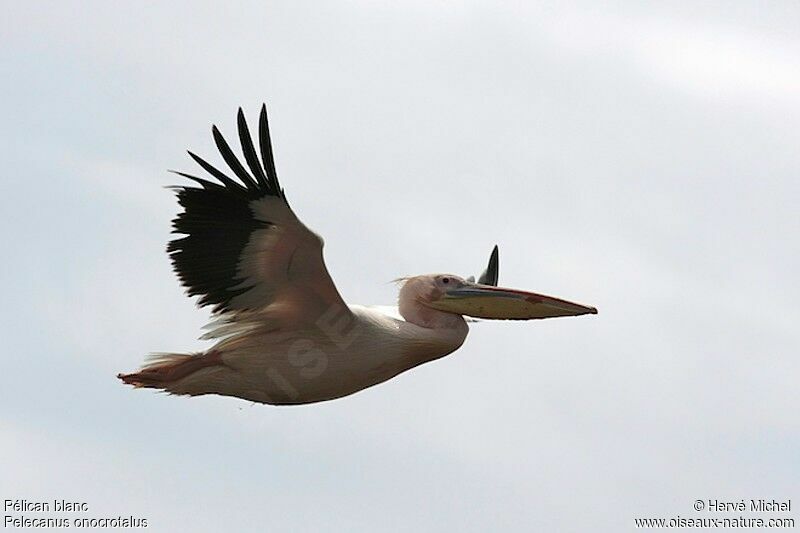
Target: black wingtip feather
491,275
265,144
225,180
204,183
249,151
232,160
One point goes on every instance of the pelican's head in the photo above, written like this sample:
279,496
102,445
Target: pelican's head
424,299
418,294
440,300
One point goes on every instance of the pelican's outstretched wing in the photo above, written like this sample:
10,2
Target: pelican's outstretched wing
243,248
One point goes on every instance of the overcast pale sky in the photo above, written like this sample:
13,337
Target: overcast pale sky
640,158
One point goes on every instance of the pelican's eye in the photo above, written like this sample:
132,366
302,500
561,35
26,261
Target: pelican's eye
445,280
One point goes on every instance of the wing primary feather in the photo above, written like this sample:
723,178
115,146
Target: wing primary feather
232,160
492,272
266,151
205,183
250,152
228,182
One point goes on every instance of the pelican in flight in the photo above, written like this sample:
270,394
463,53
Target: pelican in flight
283,333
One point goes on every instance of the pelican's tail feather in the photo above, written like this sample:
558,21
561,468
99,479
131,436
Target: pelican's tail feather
163,369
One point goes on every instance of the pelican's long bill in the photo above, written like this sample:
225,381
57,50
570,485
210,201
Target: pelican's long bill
486,301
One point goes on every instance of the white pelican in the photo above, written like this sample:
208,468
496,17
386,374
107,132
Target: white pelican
284,335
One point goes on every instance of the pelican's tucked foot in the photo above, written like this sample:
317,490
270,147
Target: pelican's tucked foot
169,368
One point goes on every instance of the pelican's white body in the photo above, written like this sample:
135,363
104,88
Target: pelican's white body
320,362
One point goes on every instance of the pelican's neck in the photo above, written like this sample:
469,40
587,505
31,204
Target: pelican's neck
426,317
396,344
